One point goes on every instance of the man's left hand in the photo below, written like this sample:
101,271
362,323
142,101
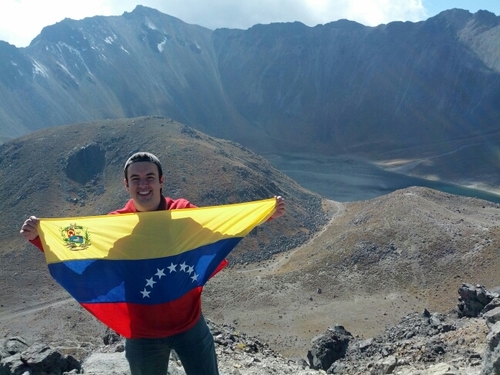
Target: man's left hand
280,207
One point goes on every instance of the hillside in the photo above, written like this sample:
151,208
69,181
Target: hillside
77,170
375,262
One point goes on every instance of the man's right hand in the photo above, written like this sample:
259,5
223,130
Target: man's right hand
29,230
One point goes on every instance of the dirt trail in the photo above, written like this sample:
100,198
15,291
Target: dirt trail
335,209
15,313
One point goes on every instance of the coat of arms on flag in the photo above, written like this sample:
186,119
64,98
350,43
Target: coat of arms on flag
76,237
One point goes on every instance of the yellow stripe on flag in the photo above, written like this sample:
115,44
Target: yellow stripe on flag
148,235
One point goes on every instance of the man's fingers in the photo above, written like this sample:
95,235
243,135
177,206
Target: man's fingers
279,208
29,229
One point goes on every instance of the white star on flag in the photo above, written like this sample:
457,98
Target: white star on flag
150,282
160,273
172,267
145,293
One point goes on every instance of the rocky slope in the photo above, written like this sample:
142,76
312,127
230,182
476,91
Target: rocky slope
464,341
290,310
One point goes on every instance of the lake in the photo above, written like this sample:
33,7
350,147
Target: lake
348,179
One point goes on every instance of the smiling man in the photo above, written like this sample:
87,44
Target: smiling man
144,184
186,330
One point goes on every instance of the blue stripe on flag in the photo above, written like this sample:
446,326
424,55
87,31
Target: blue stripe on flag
144,281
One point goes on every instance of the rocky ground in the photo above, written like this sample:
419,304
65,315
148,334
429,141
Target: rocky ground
374,270
462,342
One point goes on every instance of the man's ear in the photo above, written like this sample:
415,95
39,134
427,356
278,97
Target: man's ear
162,179
125,182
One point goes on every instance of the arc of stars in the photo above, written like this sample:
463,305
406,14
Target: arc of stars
183,267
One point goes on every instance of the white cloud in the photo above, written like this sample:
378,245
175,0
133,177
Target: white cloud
22,20
376,12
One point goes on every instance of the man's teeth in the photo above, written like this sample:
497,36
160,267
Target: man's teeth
143,192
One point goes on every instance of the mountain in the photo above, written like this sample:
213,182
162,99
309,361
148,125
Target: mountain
386,92
372,263
142,63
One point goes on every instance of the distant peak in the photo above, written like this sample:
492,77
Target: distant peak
143,11
142,8
487,18
345,24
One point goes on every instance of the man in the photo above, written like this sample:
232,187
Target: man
189,334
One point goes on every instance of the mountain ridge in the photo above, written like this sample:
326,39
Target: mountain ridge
327,85
397,92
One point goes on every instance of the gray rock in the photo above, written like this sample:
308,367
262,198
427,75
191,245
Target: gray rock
12,365
328,348
11,346
473,299
42,359
492,316
106,363
495,302
110,337
491,363
37,359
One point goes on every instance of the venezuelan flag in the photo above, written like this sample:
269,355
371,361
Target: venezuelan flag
141,274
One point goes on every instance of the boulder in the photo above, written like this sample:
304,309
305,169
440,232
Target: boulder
492,316
473,299
12,345
42,359
328,347
17,357
491,362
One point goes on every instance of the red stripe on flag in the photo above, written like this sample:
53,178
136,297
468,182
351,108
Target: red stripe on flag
148,321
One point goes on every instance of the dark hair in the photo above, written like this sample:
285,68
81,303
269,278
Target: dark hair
143,156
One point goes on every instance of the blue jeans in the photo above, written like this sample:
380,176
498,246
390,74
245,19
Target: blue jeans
195,349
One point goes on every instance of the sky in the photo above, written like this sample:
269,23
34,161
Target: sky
22,20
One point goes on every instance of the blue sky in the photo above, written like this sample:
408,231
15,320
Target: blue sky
436,6
22,20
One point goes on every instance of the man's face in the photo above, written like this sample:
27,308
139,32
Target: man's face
144,185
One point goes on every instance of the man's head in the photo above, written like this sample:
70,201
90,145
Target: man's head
144,180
